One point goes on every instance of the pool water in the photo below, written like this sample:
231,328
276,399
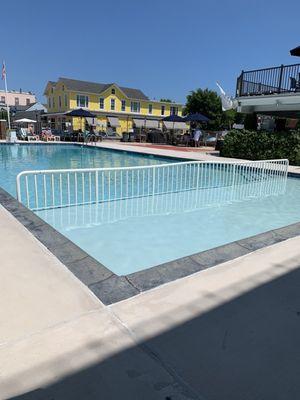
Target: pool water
22,157
131,235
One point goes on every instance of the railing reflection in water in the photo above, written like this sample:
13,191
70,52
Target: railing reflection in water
171,203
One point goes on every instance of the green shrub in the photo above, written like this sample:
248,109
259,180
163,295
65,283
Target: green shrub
261,145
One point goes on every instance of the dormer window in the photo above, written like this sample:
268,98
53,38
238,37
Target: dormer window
63,87
52,90
113,91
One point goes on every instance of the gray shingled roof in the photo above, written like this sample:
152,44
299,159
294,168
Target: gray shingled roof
92,87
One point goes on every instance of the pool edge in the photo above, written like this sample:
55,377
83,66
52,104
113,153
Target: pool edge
111,288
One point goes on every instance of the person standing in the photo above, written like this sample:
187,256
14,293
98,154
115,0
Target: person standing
197,136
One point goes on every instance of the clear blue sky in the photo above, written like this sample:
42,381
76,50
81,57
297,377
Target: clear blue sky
164,47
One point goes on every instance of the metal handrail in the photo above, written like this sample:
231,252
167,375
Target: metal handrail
270,68
44,189
272,80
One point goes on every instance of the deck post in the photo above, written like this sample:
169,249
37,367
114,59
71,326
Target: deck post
280,78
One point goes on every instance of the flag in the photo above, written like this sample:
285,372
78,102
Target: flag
3,74
227,103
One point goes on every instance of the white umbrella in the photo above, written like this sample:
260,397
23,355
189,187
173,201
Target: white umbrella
25,120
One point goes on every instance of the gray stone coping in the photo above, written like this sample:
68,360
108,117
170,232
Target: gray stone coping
111,288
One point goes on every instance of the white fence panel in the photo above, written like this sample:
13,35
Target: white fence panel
67,187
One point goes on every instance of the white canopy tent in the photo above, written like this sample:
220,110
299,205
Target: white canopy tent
25,121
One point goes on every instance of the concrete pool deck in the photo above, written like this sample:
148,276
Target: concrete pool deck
192,154
227,332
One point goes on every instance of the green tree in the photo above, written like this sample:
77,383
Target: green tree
208,103
229,117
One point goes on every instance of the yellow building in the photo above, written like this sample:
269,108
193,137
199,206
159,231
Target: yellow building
117,108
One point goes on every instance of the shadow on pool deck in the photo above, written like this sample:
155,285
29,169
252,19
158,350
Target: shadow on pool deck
245,349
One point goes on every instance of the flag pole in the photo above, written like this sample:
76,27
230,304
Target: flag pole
5,85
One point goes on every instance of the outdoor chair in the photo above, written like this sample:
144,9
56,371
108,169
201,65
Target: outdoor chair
22,134
47,136
110,134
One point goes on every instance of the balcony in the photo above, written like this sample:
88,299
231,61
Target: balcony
269,81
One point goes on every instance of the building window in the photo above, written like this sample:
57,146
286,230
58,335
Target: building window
49,102
112,104
59,101
150,108
53,102
163,108
123,106
3,99
173,110
17,101
27,102
135,106
82,101
101,103
113,91
66,100
63,87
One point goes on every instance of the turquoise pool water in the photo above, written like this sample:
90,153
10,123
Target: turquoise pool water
133,234
17,158
130,235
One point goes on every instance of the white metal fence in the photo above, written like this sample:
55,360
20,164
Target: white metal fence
60,188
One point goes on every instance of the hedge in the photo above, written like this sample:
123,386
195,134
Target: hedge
261,145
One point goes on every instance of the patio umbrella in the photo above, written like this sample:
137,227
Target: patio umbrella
197,117
295,51
25,121
80,113
173,118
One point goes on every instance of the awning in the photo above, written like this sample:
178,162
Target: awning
139,123
91,121
146,123
175,125
114,121
152,123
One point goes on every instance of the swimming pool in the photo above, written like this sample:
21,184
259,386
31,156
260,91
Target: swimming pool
135,233
15,158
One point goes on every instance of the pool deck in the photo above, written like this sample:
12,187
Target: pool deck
213,335
198,154
228,332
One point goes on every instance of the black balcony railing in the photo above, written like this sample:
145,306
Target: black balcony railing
283,79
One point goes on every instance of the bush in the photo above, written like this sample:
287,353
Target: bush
261,145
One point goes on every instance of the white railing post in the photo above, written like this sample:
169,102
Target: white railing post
18,187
